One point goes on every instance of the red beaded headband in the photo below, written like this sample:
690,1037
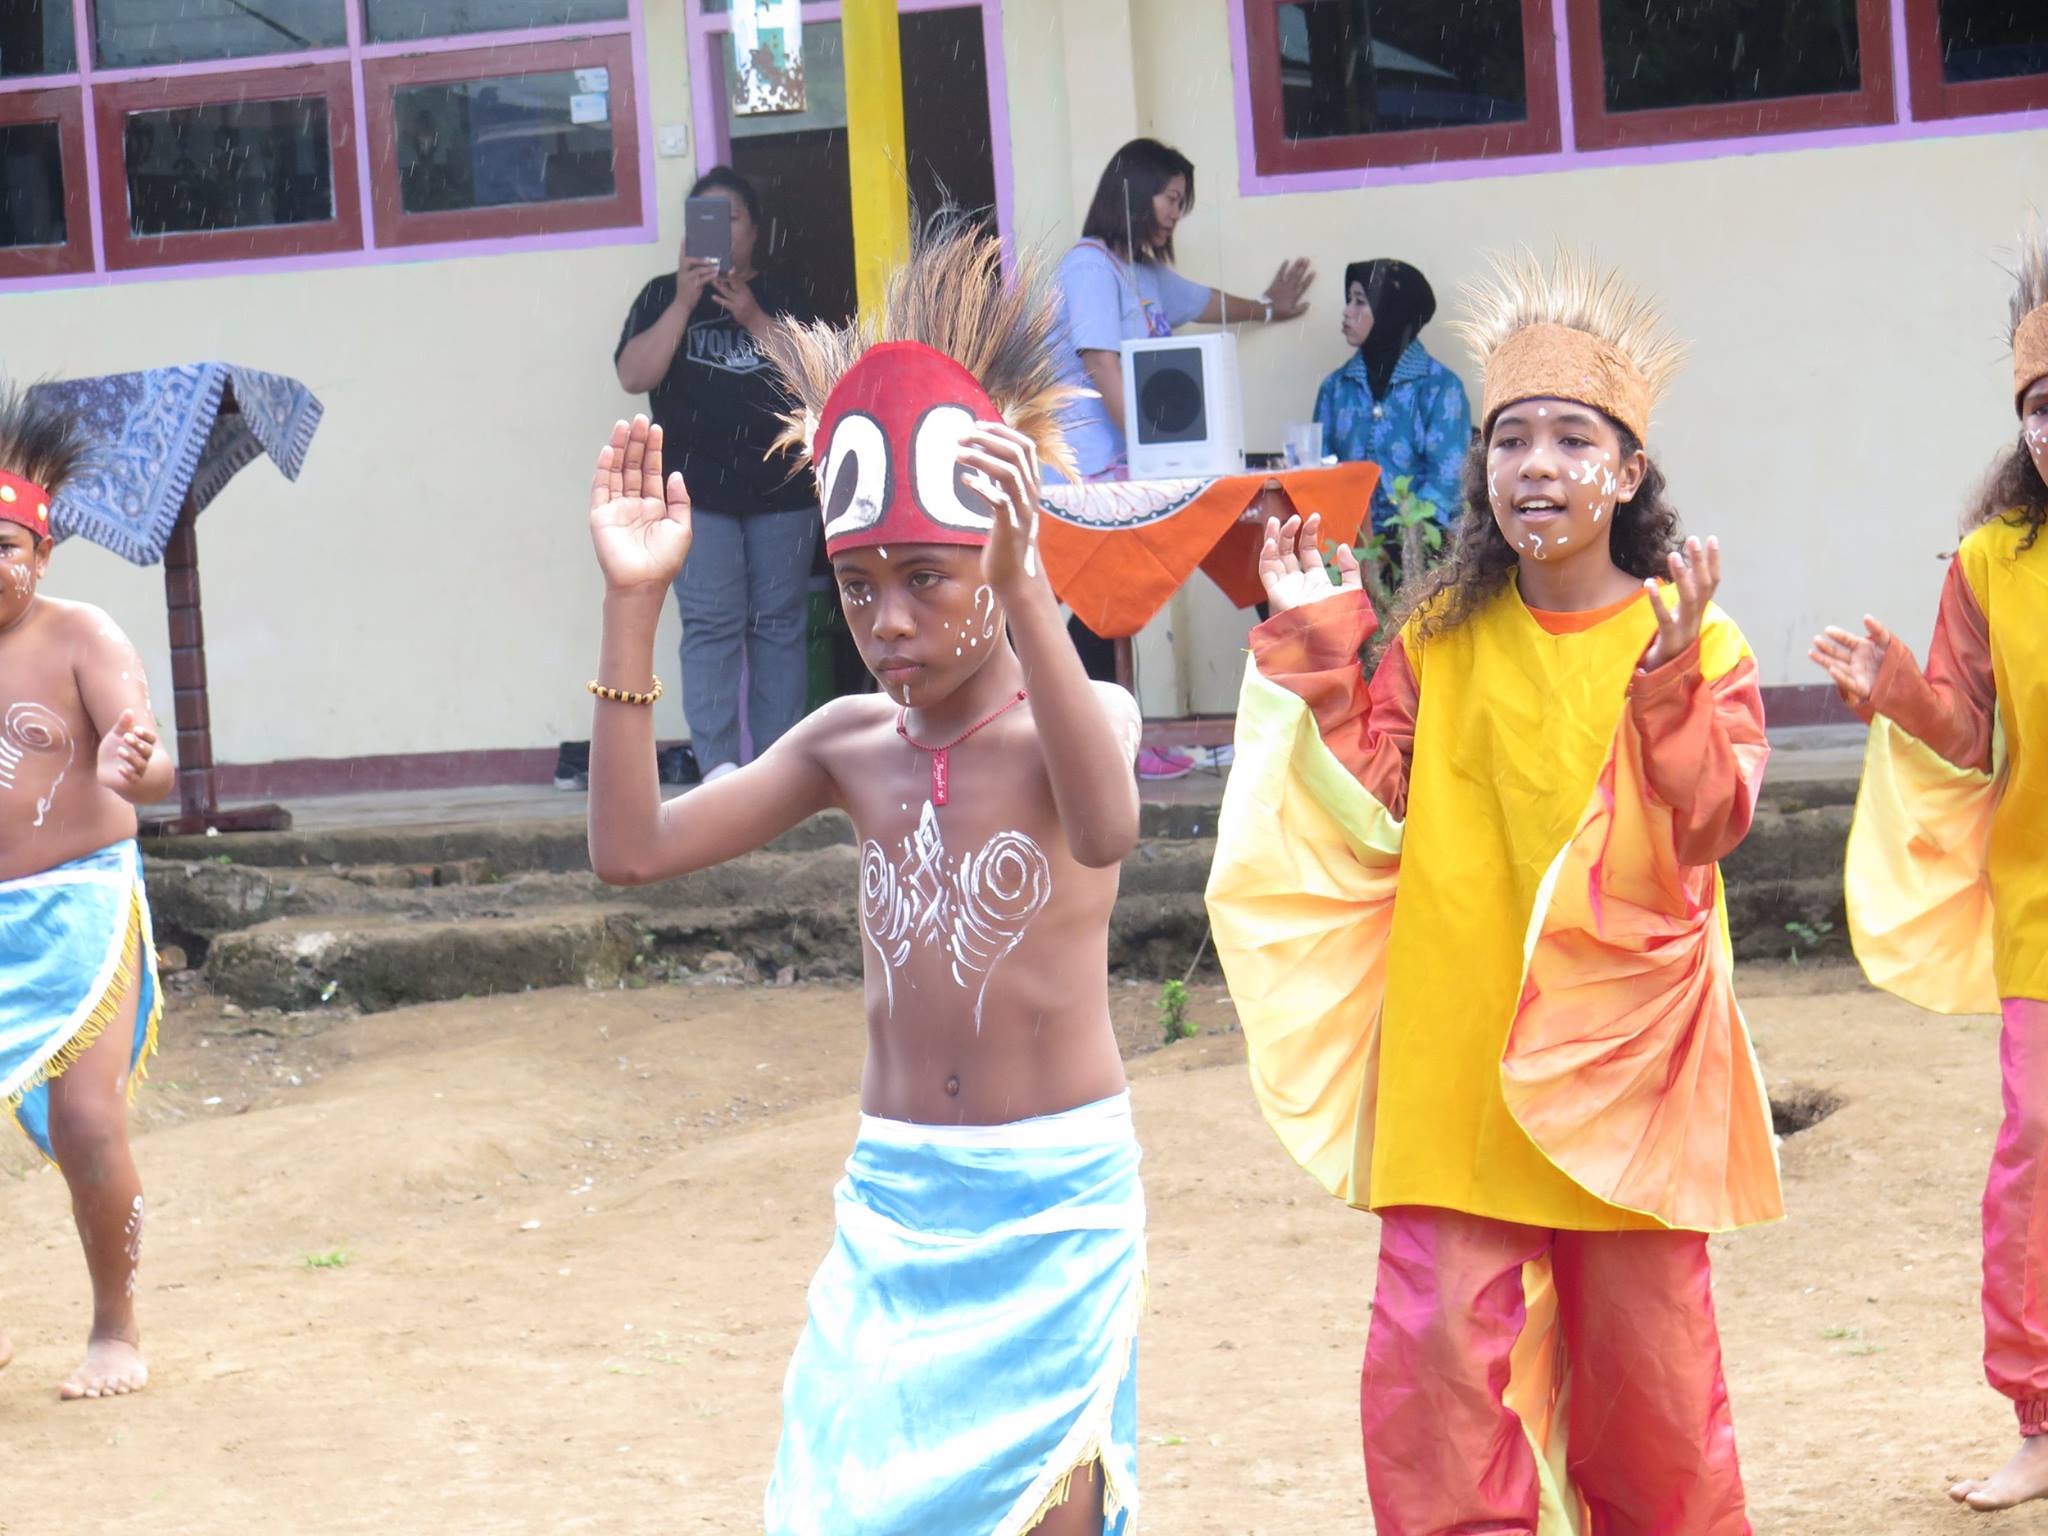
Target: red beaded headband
24,502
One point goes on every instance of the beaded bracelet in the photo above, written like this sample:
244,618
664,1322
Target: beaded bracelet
621,696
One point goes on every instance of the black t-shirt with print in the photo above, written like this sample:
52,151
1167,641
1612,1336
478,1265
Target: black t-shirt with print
717,408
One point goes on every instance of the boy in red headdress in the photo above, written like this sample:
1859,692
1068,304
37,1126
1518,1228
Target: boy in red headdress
969,1362
78,993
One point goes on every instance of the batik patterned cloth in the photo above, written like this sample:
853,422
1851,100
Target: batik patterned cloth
72,941
156,436
972,1339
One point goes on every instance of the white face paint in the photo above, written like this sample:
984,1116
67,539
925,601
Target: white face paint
32,730
985,611
974,909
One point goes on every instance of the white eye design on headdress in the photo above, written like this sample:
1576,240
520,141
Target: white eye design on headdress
855,485
941,484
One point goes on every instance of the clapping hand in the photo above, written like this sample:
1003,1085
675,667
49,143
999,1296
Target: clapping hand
1291,565
1288,292
1696,573
639,527
125,752
1002,464
1852,661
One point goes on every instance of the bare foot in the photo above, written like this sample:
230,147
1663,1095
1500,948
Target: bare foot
2020,1479
111,1368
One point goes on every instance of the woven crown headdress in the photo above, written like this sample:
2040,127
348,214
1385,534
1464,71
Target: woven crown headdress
953,296
1571,331
2029,333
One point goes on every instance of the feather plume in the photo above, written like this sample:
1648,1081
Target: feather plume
954,297
37,442
2030,274
1572,292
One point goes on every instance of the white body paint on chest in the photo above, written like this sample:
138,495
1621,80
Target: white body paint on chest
974,908
33,730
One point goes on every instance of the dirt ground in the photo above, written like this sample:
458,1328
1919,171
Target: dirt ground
536,1263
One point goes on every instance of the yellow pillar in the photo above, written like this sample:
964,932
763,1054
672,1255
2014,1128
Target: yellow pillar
880,167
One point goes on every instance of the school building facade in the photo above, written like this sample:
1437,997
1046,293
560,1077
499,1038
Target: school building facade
436,213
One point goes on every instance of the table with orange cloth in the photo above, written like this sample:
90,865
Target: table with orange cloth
1117,550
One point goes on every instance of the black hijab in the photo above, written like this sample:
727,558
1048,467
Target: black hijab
1402,304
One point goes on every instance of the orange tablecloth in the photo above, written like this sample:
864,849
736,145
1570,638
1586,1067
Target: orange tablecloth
1116,551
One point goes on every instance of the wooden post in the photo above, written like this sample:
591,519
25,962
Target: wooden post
198,799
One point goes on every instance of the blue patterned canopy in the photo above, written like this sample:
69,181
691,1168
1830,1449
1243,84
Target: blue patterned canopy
156,436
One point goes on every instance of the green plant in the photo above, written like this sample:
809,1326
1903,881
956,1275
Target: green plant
1414,532
1174,1022
334,1258
1807,937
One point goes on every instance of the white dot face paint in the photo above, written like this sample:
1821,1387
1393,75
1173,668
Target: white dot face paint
1542,410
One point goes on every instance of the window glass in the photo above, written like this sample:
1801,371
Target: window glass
1993,39
35,38
228,165
31,185
396,21
132,33
1692,53
510,139
1384,66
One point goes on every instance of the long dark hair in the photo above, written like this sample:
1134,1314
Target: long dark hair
1121,215
1644,533
2014,489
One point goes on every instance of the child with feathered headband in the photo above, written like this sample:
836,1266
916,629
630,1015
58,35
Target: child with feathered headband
1471,916
969,1360
78,987
1948,857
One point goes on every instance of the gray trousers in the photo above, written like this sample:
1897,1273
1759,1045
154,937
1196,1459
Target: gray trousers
741,597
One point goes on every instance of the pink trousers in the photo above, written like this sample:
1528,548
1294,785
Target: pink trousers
1649,1442
2016,1221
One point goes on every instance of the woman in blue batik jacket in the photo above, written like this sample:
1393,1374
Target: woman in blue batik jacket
1393,404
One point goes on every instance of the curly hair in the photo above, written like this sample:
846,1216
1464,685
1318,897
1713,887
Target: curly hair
2012,490
1644,533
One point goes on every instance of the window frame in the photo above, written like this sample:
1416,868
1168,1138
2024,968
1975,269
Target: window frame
1935,99
1537,133
1871,104
384,76
65,106
114,101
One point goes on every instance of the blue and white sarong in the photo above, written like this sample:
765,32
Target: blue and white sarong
73,940
973,1333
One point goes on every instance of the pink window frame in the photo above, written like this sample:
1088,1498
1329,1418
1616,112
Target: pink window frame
1934,97
1906,123
705,31
90,81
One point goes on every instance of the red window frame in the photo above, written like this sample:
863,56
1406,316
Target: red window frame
1274,154
1597,128
1935,97
113,102
63,105
382,77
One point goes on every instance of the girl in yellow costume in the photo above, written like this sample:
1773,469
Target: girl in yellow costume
1471,917
1948,858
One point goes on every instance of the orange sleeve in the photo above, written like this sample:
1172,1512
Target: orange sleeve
1703,750
1951,705
1312,652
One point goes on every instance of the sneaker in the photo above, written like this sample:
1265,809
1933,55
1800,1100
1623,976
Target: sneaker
1158,763
1216,759
678,764
572,765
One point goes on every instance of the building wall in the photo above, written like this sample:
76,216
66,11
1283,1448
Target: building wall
427,585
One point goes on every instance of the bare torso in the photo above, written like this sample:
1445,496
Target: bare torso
53,807
985,943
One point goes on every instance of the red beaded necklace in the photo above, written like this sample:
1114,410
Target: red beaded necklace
940,778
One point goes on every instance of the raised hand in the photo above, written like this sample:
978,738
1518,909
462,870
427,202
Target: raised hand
1852,661
1291,565
1002,464
1289,288
125,752
693,276
1696,573
737,299
639,527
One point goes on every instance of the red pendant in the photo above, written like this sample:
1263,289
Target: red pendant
939,777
